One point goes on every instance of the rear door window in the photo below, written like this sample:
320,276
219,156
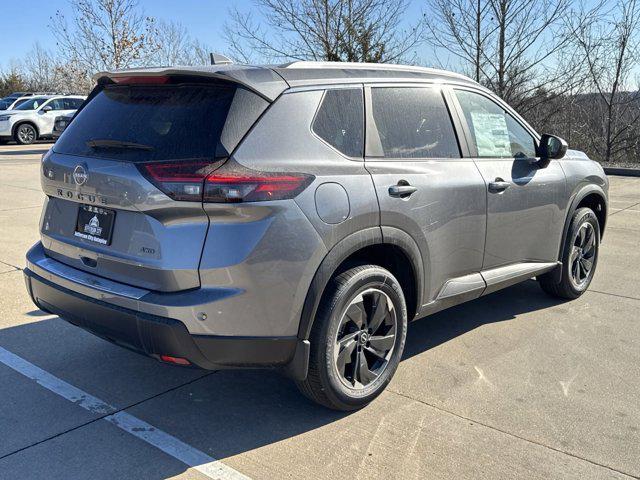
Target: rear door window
413,123
340,121
141,123
72,103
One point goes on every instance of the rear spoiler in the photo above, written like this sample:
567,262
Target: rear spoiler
262,80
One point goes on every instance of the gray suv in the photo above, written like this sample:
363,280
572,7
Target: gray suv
299,216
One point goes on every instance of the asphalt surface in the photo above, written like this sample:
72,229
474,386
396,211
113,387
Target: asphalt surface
513,385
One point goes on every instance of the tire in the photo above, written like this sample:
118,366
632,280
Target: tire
576,257
25,134
340,342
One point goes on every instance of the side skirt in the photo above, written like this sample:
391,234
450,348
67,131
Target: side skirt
469,287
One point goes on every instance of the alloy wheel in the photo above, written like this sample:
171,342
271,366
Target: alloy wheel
582,255
365,338
26,134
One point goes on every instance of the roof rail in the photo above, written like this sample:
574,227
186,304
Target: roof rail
217,59
372,66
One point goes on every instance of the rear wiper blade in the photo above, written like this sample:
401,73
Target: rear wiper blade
117,144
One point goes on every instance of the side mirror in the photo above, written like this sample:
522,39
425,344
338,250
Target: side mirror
552,147
47,108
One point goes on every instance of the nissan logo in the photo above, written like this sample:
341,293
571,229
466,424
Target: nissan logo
80,175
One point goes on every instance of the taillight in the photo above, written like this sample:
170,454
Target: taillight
179,180
253,186
200,181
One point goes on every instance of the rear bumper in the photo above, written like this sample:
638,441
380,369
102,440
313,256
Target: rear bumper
150,334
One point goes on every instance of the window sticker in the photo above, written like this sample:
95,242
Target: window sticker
492,135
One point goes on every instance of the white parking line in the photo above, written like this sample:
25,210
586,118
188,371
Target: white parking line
179,450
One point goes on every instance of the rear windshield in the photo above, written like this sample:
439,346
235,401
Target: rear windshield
140,123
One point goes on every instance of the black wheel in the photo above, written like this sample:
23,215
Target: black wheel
357,338
25,134
579,258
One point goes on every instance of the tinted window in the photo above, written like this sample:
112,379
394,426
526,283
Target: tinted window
340,121
413,123
495,132
72,103
57,104
169,122
33,103
19,102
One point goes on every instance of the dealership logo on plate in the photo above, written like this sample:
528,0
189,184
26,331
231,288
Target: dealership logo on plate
80,175
93,228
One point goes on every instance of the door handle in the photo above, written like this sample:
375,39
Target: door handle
401,191
498,185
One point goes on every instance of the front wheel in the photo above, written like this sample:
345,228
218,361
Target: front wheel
25,134
579,258
357,338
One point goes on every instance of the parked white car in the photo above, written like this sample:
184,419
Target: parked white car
34,118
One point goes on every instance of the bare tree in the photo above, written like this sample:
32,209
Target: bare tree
463,28
330,30
177,47
40,68
515,47
611,47
104,34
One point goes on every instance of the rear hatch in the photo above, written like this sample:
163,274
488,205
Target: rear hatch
117,205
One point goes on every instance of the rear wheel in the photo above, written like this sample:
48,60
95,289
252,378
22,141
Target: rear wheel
25,134
579,258
357,338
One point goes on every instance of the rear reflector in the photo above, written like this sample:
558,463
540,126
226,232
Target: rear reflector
200,181
175,360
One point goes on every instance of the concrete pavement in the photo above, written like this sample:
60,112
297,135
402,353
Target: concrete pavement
513,385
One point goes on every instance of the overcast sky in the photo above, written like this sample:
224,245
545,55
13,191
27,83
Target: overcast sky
25,22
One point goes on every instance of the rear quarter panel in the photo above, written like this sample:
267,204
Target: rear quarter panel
272,250
283,141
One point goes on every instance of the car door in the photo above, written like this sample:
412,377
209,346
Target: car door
424,185
525,199
47,117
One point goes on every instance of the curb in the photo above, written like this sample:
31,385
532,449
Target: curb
627,172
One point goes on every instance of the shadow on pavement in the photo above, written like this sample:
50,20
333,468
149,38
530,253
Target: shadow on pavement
225,413
500,306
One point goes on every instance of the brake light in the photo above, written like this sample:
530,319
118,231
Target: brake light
254,187
145,80
200,181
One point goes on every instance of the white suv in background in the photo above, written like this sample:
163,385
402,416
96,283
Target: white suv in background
34,119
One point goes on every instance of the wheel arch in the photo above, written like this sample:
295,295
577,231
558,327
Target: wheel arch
392,248
389,246
591,196
22,122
